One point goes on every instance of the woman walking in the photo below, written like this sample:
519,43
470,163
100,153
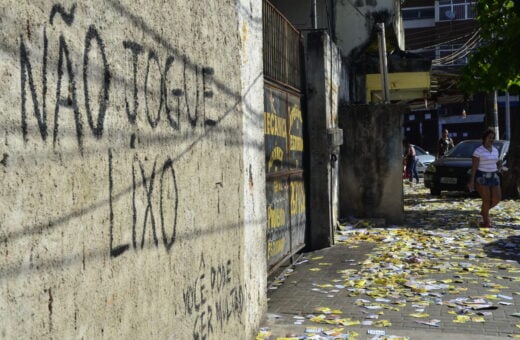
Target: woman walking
411,162
484,175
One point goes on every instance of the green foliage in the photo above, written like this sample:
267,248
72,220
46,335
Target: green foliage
495,65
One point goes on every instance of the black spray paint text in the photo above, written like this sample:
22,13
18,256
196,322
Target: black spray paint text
150,180
227,298
183,88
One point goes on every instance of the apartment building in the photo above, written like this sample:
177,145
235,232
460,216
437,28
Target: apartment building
446,32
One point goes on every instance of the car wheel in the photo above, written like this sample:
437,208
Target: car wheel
435,192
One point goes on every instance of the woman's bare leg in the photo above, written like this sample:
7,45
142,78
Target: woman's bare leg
496,196
485,194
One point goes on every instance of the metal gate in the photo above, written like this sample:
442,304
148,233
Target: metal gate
284,143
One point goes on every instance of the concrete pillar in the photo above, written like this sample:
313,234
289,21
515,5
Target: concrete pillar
254,262
323,65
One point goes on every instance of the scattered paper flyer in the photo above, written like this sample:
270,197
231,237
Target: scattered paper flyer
433,322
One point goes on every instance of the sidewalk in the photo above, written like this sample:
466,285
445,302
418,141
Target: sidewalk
437,277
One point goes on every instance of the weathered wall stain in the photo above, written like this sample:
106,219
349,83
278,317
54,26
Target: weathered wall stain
373,161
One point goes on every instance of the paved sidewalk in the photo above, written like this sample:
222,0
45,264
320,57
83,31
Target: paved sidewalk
437,269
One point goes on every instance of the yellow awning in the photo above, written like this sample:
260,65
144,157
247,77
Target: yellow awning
402,86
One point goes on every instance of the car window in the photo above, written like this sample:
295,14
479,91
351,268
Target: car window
419,151
465,149
499,146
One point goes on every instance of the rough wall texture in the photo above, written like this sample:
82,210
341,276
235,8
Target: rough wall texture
371,170
332,85
132,175
322,57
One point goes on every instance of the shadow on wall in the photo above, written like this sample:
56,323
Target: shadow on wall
183,110
187,100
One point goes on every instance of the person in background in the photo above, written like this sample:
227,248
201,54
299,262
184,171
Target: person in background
411,162
484,175
445,144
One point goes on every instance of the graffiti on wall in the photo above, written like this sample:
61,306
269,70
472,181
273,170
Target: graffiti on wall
278,227
166,90
275,131
285,190
160,217
63,85
296,146
182,100
212,298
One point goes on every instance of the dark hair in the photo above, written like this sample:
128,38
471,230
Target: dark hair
486,133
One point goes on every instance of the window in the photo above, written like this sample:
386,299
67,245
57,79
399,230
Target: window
456,10
453,54
418,13
428,54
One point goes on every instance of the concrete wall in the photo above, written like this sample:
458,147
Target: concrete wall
132,199
323,58
355,22
371,167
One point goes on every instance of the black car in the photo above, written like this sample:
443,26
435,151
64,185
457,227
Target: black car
452,172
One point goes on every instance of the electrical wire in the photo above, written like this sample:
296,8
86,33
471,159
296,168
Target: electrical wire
462,52
474,36
430,33
426,37
418,35
434,39
433,47
459,54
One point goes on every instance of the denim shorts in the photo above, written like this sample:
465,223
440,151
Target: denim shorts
489,179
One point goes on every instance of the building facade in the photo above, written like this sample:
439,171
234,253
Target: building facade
445,32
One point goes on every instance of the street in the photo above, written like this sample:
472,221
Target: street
437,276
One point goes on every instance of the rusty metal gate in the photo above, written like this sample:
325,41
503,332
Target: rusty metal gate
284,142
